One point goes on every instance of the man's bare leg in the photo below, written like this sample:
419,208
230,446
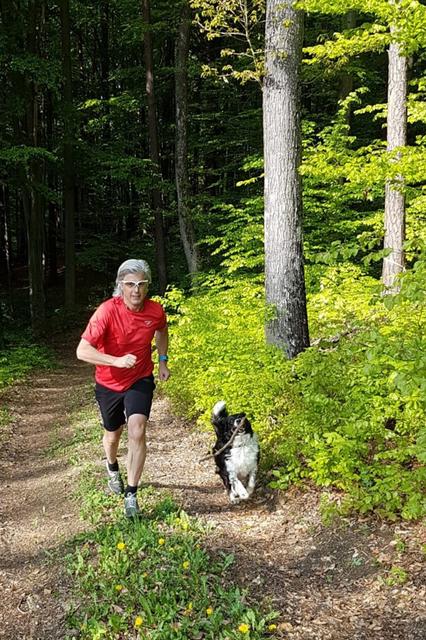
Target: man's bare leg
136,448
111,440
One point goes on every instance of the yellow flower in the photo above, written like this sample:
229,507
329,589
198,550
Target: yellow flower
189,607
161,541
118,587
272,627
244,628
121,546
185,526
185,564
145,574
138,622
209,611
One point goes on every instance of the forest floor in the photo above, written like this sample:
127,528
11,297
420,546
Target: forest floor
358,579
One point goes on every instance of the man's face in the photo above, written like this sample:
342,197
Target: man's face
135,289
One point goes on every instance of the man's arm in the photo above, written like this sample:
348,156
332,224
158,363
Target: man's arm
162,344
88,353
162,341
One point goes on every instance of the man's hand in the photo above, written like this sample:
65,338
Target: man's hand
125,362
88,353
163,371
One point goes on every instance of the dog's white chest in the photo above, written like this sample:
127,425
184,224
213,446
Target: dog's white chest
243,455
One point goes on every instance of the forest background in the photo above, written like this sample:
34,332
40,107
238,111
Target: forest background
136,130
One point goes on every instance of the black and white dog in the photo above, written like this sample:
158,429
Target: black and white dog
237,463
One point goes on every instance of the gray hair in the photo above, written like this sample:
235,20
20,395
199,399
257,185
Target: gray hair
130,266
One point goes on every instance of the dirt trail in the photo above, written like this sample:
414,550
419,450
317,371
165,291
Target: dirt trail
326,582
37,514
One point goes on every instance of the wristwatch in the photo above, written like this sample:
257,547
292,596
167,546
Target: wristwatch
163,358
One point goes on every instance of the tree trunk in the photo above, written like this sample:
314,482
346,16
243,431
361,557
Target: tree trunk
104,50
181,161
4,231
6,244
31,193
52,213
347,81
160,252
394,220
284,272
68,176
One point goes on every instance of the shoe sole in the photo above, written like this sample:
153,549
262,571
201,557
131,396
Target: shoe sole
134,516
120,492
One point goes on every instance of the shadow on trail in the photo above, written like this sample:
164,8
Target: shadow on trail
183,487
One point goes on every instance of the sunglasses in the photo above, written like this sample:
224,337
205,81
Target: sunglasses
134,285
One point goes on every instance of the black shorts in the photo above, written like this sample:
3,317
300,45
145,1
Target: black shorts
117,406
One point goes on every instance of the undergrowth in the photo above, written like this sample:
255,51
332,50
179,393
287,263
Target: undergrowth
17,359
348,413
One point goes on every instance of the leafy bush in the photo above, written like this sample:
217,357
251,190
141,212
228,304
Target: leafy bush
349,412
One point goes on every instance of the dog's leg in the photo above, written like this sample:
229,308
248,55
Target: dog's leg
233,498
238,491
251,483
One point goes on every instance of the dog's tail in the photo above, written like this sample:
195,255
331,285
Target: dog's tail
219,410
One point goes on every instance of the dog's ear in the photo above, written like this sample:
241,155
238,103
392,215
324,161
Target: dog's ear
219,411
219,416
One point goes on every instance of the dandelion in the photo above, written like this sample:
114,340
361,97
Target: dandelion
188,609
119,587
272,627
121,546
161,541
209,611
244,628
138,622
185,564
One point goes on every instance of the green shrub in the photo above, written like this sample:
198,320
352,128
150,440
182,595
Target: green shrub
349,412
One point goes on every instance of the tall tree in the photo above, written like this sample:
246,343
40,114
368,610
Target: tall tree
284,271
346,80
154,149
181,155
31,196
68,164
394,221
52,213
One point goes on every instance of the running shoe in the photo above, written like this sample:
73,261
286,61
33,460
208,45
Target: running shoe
115,481
131,507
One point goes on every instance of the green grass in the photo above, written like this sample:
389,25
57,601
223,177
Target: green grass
154,575
18,360
151,578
